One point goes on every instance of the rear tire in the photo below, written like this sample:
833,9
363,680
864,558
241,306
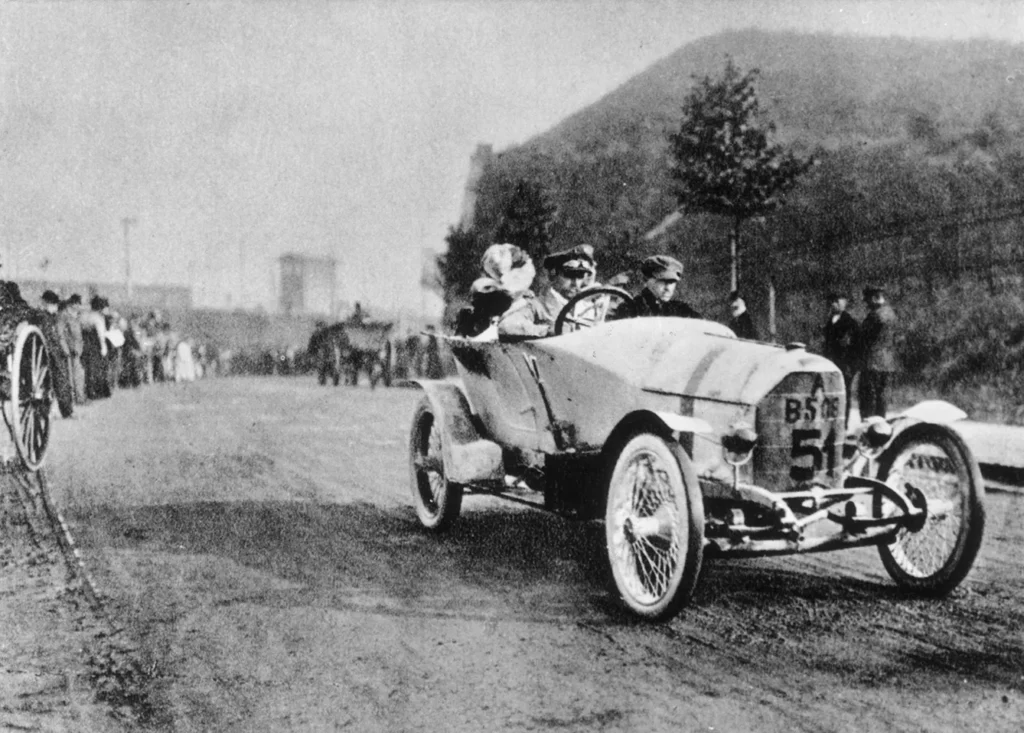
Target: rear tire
654,526
935,461
437,500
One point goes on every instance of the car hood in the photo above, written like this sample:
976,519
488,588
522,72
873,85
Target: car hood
682,356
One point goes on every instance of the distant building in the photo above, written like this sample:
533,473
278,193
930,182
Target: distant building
307,285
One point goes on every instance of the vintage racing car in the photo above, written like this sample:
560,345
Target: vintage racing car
686,440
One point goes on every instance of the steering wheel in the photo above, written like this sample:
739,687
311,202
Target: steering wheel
592,306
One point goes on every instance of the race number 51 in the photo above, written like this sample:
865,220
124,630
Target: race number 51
810,454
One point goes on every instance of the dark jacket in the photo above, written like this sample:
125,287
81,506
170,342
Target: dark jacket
877,344
648,305
841,341
743,326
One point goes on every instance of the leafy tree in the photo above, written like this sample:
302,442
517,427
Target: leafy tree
460,264
527,218
721,159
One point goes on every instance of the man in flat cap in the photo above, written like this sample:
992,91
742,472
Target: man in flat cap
662,274
877,352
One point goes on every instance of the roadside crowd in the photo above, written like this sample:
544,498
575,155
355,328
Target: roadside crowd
96,350
503,305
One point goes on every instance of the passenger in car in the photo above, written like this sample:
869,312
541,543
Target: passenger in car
488,300
569,272
662,274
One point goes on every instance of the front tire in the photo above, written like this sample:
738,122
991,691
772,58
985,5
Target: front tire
654,526
934,467
437,500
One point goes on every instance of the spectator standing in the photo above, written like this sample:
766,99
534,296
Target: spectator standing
184,364
739,318
840,342
60,353
94,349
877,353
69,320
115,346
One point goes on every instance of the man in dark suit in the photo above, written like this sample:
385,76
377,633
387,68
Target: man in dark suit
877,353
662,274
739,318
840,342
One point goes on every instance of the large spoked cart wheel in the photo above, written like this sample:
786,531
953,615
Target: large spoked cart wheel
654,526
29,397
438,501
932,465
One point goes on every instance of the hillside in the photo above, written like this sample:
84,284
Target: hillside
822,89
906,133
901,129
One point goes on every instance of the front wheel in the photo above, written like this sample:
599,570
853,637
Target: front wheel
654,526
933,466
437,500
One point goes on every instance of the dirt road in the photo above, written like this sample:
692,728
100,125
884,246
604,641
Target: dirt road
254,536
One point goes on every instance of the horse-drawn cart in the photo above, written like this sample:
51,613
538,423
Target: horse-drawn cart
351,347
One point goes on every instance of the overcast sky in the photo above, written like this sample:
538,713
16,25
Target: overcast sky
232,133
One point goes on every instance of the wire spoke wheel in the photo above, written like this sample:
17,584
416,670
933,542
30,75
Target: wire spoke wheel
934,468
31,396
437,500
654,526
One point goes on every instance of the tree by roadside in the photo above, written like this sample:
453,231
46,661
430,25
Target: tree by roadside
527,218
721,158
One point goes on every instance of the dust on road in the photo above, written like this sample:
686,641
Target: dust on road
256,538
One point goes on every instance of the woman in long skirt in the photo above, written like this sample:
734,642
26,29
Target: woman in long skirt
94,350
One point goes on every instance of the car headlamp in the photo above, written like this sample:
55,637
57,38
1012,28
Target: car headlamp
875,434
738,444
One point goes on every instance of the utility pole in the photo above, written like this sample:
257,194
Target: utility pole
127,223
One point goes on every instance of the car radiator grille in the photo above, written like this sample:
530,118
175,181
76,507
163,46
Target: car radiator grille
801,427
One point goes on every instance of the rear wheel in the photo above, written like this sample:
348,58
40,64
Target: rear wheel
934,468
654,526
31,396
437,500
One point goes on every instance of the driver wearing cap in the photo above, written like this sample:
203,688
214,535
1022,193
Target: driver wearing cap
569,272
662,274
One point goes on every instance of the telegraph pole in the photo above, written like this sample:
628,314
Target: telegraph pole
127,223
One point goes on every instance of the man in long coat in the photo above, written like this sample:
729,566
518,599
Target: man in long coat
877,353
69,321
840,342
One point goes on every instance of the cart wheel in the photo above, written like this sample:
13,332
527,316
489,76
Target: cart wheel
654,526
934,467
28,413
437,500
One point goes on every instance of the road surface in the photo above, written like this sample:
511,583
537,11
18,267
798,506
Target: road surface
255,539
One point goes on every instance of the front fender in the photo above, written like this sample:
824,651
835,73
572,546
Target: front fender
933,411
468,456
